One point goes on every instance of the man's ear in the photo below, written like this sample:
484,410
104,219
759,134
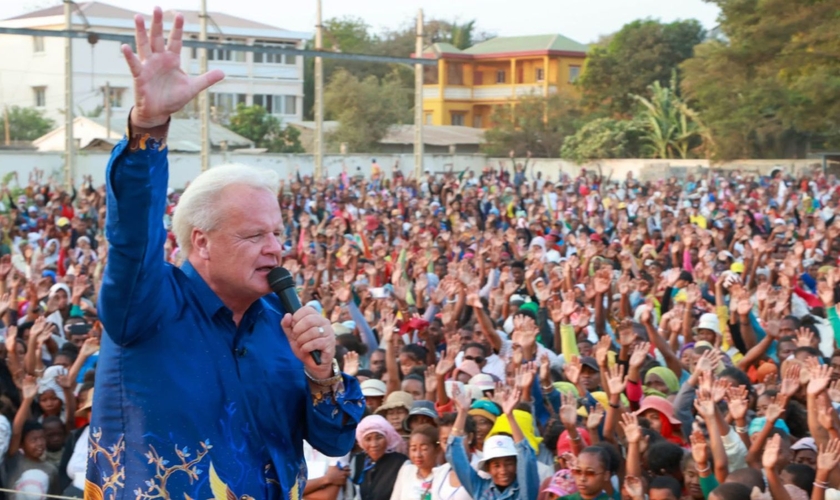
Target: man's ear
200,243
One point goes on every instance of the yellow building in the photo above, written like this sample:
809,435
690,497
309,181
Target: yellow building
467,84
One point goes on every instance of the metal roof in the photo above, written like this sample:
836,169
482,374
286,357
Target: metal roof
106,11
526,44
185,134
90,9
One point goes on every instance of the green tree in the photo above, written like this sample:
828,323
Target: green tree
769,85
671,128
26,124
354,35
642,52
365,109
537,124
603,138
255,123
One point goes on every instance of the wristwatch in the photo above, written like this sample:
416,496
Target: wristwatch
329,381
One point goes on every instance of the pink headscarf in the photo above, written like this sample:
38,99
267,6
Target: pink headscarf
378,424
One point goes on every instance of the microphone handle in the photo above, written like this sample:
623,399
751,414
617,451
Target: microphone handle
291,303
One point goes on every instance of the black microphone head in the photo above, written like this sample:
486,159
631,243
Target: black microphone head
280,279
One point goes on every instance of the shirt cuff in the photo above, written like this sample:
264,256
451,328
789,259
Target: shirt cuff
141,139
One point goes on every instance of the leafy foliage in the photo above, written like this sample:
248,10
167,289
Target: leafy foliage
26,124
537,124
255,123
365,109
354,35
671,127
604,138
641,53
771,83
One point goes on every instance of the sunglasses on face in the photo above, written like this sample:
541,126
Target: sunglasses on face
588,473
478,359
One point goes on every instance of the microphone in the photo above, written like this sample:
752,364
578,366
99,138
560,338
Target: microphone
282,283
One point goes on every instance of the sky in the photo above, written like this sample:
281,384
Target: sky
581,20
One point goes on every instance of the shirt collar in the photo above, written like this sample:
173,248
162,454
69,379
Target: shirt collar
209,302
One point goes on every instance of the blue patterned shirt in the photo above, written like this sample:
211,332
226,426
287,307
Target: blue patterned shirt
189,405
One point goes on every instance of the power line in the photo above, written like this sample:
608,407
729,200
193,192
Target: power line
257,49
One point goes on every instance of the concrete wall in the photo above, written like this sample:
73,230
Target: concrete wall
184,167
648,169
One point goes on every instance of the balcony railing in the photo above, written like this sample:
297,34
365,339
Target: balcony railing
486,92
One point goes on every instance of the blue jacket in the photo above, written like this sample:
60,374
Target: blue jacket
188,405
525,487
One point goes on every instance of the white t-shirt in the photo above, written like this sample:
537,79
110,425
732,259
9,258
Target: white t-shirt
77,466
442,489
317,464
410,487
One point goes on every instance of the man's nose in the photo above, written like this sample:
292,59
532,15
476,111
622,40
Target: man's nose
273,246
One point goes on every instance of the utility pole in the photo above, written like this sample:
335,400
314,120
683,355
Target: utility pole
69,141
319,98
418,100
6,126
204,97
108,109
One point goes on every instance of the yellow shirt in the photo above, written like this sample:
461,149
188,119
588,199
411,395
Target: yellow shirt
699,220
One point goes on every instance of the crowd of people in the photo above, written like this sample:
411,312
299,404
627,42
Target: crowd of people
516,336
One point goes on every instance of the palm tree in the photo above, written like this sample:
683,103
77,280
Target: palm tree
462,34
670,125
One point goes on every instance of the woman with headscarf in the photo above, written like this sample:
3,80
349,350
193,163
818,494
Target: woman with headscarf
51,252
660,381
375,470
660,413
484,412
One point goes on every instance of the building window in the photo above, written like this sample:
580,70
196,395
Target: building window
226,103
261,58
430,75
290,106
478,78
454,74
38,44
40,94
116,96
225,54
500,76
540,75
574,73
277,104
458,118
263,101
477,121
428,118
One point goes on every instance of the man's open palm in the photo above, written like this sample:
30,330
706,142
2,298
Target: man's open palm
161,88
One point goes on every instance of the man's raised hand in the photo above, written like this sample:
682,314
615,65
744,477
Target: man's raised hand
161,87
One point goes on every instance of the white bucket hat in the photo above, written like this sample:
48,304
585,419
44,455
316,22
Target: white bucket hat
497,447
709,321
373,388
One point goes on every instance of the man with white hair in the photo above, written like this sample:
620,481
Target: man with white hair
199,391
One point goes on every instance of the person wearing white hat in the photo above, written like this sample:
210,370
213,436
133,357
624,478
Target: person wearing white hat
509,461
708,328
374,392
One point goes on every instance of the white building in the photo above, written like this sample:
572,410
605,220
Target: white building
32,68
93,134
